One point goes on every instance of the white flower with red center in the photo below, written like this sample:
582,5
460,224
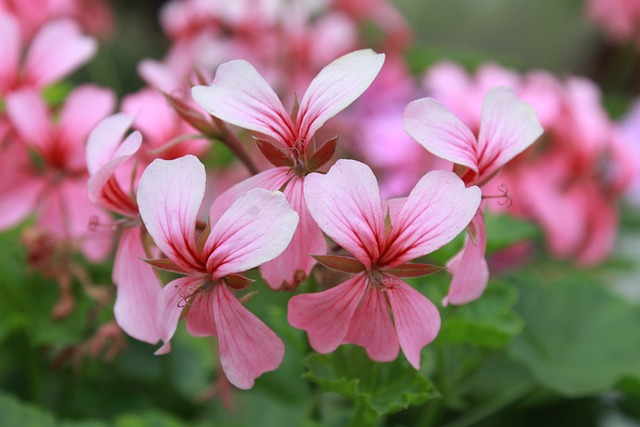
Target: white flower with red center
382,237
256,228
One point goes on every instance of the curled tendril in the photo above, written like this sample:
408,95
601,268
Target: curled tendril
504,195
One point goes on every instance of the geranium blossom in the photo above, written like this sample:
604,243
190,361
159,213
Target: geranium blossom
56,50
239,95
508,127
383,238
256,228
57,190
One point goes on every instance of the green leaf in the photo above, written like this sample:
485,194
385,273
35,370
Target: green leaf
377,388
151,419
487,322
16,414
580,337
505,230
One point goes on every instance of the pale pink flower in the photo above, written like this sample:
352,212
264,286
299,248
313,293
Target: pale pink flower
112,186
256,228
56,50
383,238
508,127
57,191
239,95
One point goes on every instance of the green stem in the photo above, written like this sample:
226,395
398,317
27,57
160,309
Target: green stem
493,406
362,415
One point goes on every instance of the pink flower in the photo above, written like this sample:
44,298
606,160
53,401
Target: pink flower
239,95
57,191
56,50
112,186
508,127
255,229
383,238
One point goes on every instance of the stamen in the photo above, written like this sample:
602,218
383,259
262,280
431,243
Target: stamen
505,196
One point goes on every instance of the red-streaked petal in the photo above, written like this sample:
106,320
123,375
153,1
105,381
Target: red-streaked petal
294,265
372,328
436,211
335,87
169,307
248,348
346,205
169,197
239,95
138,289
255,229
508,127
469,268
443,134
57,50
326,315
416,318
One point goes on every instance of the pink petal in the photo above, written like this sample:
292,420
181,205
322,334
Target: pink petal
436,211
255,229
469,268
105,138
326,315
248,348
438,130
66,212
153,115
9,52
346,205
240,96
57,50
158,75
372,328
416,318
509,126
335,87
84,108
294,264
29,115
20,187
169,197
169,307
200,319
138,289
271,179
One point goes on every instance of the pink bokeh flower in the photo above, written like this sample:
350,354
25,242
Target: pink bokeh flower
55,51
383,238
256,228
55,186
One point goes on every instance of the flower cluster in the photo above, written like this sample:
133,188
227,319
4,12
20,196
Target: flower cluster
450,148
